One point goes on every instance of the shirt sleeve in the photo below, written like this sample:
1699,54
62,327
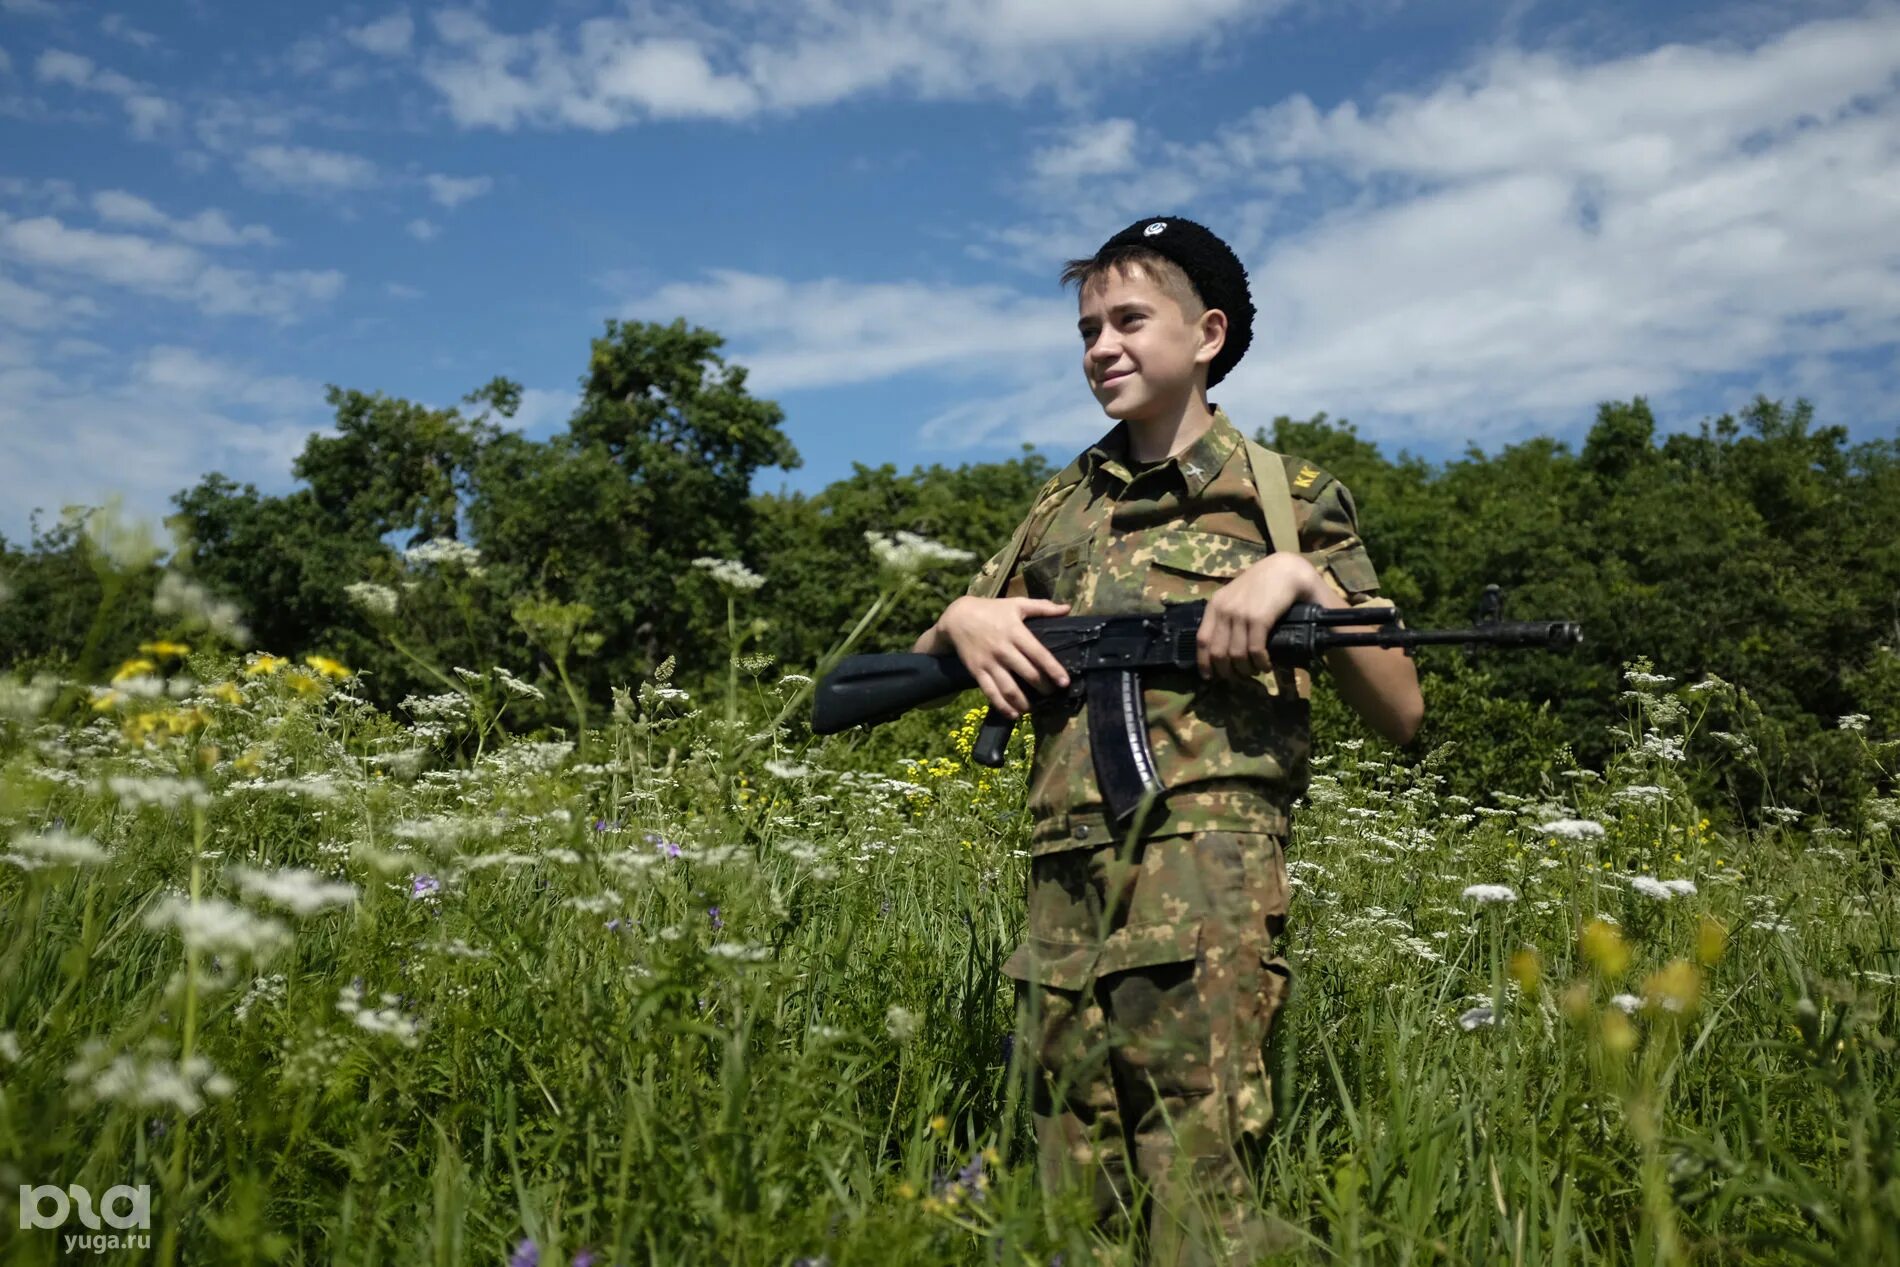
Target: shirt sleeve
1330,541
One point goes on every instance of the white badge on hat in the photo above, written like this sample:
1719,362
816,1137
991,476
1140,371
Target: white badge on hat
1154,228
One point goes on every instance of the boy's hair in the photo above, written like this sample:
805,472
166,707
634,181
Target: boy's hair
1162,271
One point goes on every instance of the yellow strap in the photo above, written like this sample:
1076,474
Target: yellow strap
1276,498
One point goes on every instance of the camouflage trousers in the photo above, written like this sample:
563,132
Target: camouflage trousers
1147,987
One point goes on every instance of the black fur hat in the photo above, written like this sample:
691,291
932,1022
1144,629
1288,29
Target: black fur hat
1213,268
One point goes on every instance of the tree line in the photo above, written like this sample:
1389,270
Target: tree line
1762,548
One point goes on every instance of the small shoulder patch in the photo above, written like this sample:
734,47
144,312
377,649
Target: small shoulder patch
1306,480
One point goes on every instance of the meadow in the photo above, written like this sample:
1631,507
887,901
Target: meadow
679,984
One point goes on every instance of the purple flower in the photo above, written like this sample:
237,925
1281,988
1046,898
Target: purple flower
527,1254
613,924
669,849
713,915
423,886
583,1259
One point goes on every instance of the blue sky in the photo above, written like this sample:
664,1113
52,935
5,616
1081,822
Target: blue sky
1467,222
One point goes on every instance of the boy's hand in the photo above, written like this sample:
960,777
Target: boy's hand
990,638
1232,643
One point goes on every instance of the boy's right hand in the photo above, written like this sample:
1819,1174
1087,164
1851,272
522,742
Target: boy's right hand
990,638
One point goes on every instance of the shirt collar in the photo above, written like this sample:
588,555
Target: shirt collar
1198,463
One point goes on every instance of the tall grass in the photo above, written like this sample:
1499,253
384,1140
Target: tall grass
681,989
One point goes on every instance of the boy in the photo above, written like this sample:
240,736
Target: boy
1149,977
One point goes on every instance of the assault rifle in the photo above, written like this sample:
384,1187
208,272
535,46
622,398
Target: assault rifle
1104,656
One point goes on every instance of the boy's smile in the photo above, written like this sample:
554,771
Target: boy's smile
1142,355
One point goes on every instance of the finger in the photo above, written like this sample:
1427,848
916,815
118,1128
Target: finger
1046,660
1236,650
1257,647
1008,672
1016,662
993,691
1204,650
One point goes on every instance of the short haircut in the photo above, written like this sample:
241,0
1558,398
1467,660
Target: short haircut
1162,271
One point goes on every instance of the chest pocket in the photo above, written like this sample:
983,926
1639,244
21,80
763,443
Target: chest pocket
1184,564
1056,573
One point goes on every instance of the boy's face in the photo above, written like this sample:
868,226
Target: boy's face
1140,352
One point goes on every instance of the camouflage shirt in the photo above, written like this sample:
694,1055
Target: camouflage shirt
1232,754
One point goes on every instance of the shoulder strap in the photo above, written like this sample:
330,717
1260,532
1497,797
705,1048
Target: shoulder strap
1276,497
1006,561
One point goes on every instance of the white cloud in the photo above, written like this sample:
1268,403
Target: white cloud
305,168
166,269
401,290
146,112
606,73
6,63
30,8
116,25
793,335
386,37
210,227
421,230
453,191
151,429
30,308
1496,254
1088,149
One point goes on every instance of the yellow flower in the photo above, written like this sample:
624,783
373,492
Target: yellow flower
133,668
303,683
1711,939
166,650
228,692
1575,1000
328,667
907,1190
1619,1034
1604,946
939,1124
249,762
1676,988
1526,968
264,665
105,701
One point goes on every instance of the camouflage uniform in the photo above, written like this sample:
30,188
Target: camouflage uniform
1149,974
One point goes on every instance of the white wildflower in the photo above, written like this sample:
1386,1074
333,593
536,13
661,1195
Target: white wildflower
215,926
387,1020
445,552
1642,793
198,607
1707,684
9,1046
901,1023
731,573
907,553
1572,828
262,990
57,848
1484,894
1854,721
377,600
150,1082
794,680
165,793
1661,746
786,769
1476,1018
1783,813
739,952
1636,678
1626,1003
296,888
448,706
516,686
1681,888
27,700
1650,886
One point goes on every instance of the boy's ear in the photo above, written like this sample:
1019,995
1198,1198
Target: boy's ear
1213,325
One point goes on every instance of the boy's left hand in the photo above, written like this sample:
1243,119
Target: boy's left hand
1232,643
